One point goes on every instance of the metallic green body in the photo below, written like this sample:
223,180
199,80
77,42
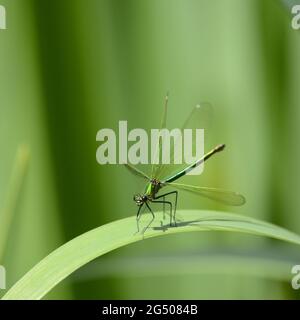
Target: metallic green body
152,188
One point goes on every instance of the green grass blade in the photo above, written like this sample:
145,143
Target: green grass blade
13,194
88,246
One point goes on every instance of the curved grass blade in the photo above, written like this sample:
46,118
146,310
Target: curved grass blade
227,197
74,254
13,194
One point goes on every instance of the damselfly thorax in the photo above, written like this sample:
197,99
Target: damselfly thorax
152,189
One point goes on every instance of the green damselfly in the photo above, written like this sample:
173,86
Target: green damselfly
163,175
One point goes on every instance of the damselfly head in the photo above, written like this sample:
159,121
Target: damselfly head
138,199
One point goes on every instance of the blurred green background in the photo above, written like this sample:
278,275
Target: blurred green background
71,67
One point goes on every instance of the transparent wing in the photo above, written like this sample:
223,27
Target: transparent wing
224,196
199,118
136,171
156,167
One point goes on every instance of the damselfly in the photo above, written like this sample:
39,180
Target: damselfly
163,175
